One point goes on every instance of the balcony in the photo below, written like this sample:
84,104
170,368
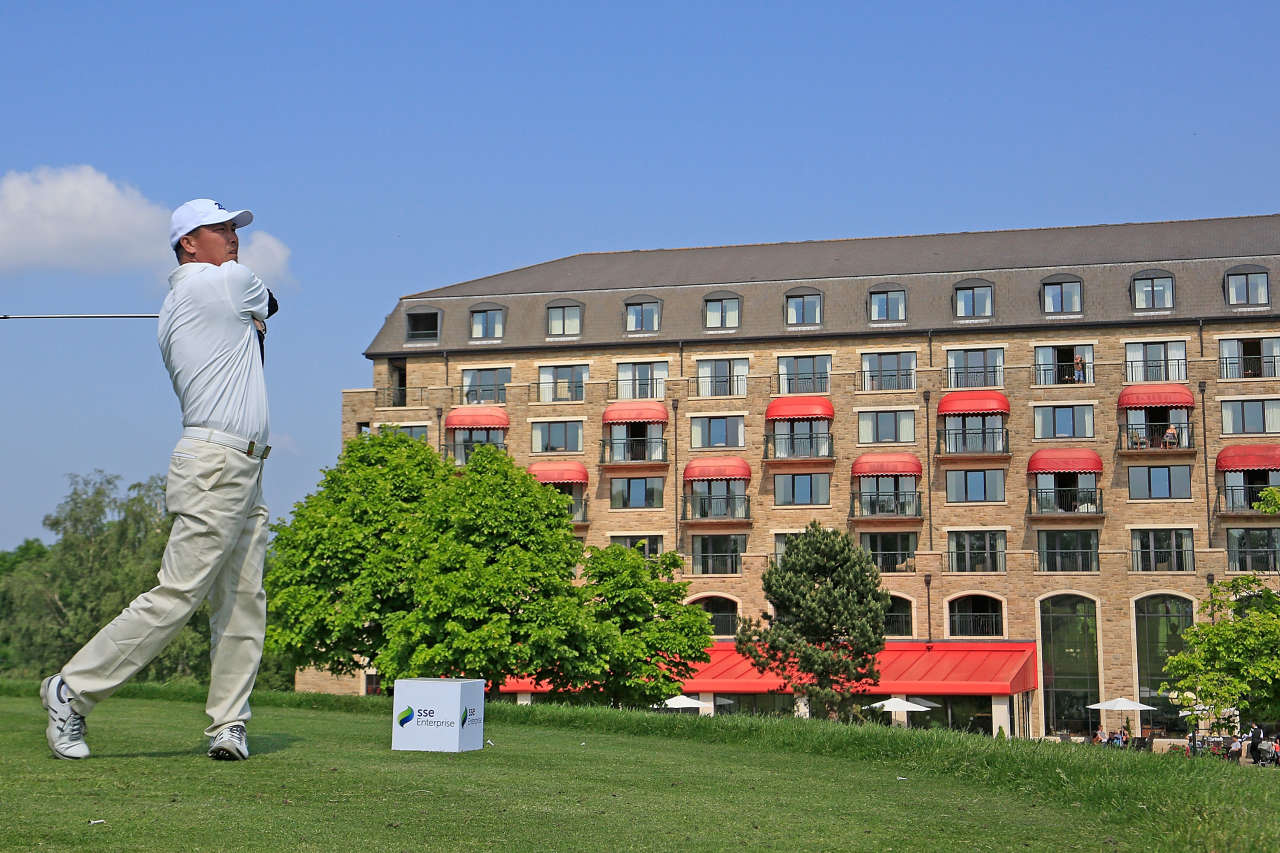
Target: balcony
720,386
897,624
1063,373
1159,370
866,505
973,442
785,447
716,564
469,395
1142,439
637,389
461,450
1238,500
975,377
975,561
724,624
799,383
1162,560
1249,367
886,380
1069,502
977,625
894,562
389,398
1074,560
578,512
616,451
716,508
1253,560
561,391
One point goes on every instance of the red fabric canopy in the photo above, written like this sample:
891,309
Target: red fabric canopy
1249,457
785,408
885,463
482,417
635,412
717,468
973,403
1064,460
1156,394
567,471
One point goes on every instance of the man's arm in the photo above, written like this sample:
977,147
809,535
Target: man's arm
249,296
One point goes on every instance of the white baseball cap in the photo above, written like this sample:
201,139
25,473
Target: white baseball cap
202,211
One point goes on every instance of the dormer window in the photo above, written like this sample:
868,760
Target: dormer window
423,326
974,299
644,316
1152,290
888,305
1060,296
564,320
486,323
804,308
1248,286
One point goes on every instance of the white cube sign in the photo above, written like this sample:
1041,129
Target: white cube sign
438,714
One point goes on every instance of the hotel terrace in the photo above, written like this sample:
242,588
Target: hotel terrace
1050,440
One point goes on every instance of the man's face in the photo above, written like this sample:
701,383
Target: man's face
213,244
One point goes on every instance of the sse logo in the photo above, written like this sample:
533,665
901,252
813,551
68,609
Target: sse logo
405,717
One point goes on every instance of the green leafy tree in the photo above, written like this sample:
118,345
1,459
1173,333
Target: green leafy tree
1231,661
646,639
1268,501
828,621
404,562
29,551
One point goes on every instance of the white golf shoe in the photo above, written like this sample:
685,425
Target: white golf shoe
230,744
66,728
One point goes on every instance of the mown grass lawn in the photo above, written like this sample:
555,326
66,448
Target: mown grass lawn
591,779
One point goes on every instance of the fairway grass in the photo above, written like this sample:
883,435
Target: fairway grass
592,779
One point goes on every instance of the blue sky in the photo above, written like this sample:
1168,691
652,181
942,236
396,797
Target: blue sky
388,148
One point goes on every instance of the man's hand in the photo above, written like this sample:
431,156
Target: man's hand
260,326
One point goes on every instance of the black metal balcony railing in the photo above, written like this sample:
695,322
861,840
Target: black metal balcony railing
1158,370
1157,437
977,625
1249,367
560,391
724,624
1067,560
473,394
953,441
887,380
801,383
398,397
975,377
461,450
894,562
578,512
711,563
633,450
975,561
813,446
721,386
1049,501
1239,498
716,506
1063,373
637,389
904,504
897,624
1253,560
1162,560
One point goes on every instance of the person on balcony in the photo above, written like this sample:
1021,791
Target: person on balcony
1078,366
1171,436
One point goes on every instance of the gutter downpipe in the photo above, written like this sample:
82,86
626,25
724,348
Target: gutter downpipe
928,467
1204,439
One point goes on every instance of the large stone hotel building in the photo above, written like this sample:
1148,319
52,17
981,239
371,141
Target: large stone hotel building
1050,440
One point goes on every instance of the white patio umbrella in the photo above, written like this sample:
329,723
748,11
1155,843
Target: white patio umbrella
896,704
1123,704
680,702
924,702
720,700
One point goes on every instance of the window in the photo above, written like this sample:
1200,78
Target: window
643,316
973,300
721,313
362,428
486,385
635,492
1064,421
561,383
722,377
976,550
891,552
975,486
888,371
641,380
1149,483
717,499
557,436
876,427
650,546
1249,358
1069,643
1066,492
486,323
897,618
718,555
973,434
1064,365
1157,426
1242,489
798,439
976,616
1240,417
1253,549
888,494
780,545
1153,292
397,378
466,440
803,374
1159,621
889,305
1248,289
1162,551
1068,551
1155,361
975,368
801,489
424,326
723,613
717,432
1060,297
804,309
564,320
635,442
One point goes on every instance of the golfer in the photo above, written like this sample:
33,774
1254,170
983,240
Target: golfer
214,490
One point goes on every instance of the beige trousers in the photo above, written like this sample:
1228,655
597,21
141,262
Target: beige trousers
215,551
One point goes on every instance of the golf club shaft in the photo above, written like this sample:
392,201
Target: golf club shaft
78,316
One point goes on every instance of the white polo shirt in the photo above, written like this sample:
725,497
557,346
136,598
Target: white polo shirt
210,349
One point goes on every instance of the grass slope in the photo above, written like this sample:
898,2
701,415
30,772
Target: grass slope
323,778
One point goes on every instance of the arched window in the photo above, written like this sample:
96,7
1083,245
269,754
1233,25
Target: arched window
1060,294
974,297
976,616
723,613
1152,289
1159,621
1247,284
1069,641
897,619
803,306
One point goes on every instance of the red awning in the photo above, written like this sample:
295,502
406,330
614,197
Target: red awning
973,403
785,408
635,412
885,463
717,468
1157,394
481,417
1249,457
567,471
1064,460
